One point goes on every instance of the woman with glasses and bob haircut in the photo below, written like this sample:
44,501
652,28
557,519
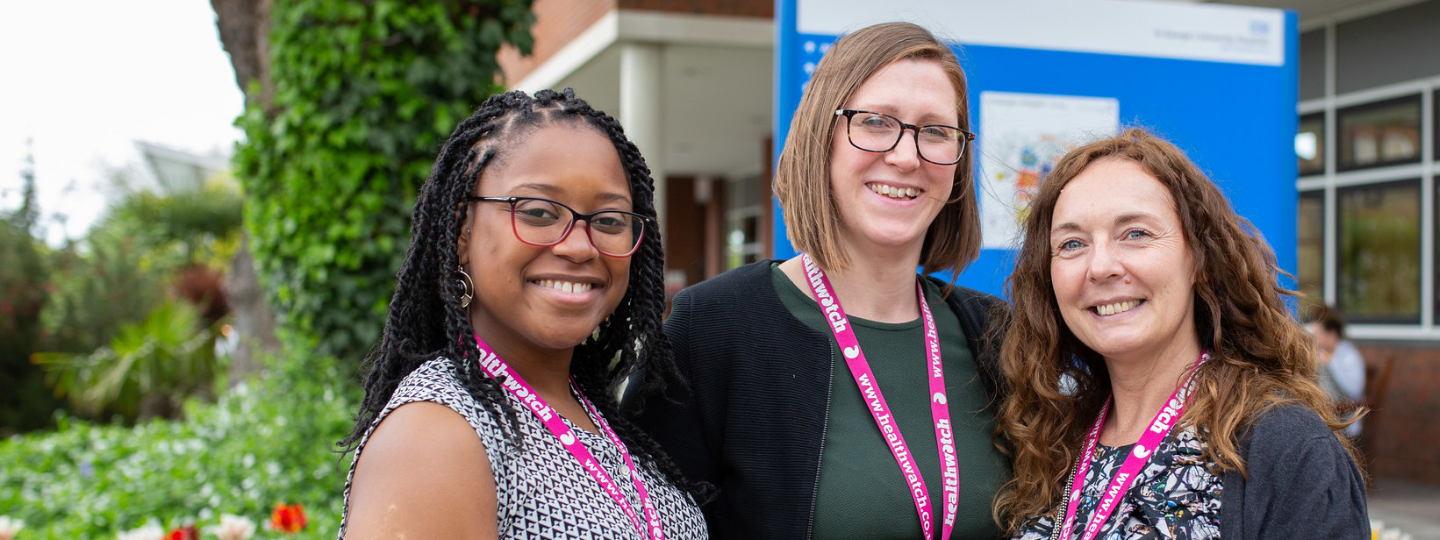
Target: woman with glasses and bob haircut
839,394
531,289
1191,410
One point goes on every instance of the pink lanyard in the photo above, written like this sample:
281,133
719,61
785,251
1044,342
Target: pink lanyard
1139,456
496,368
860,369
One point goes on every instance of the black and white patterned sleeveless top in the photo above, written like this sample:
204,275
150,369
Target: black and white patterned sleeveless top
1174,496
541,491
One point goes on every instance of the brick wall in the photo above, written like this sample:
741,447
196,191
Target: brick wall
1406,431
738,8
557,22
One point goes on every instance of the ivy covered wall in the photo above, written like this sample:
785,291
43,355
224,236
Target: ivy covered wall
364,95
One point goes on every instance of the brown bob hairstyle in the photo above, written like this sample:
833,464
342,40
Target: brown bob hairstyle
802,178
1259,355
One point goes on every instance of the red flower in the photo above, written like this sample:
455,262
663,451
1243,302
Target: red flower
287,518
187,532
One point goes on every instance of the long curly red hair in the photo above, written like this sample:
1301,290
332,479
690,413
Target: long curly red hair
1259,355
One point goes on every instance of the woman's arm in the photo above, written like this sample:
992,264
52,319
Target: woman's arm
422,474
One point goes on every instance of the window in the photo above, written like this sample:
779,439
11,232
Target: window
742,222
1436,238
1367,150
1378,252
1310,144
1310,257
1379,134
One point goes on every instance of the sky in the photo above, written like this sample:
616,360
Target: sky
85,79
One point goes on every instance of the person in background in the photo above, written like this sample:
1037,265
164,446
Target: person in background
1342,369
531,289
839,394
1194,412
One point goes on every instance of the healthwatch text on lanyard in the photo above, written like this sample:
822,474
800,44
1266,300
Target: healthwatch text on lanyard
860,369
496,368
1139,456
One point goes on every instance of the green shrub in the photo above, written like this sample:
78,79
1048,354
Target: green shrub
145,371
26,281
267,441
117,335
198,225
121,272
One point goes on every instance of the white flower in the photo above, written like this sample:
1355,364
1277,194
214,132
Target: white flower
151,531
9,526
232,528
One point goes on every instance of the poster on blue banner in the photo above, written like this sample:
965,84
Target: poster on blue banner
1021,137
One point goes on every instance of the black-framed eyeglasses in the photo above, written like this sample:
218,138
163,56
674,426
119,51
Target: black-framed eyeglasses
879,132
543,222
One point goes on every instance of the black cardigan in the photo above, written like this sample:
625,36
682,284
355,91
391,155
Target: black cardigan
752,419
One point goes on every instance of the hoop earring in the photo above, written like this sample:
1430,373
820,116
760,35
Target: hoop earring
467,285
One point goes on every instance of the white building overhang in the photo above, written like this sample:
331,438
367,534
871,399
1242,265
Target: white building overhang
705,82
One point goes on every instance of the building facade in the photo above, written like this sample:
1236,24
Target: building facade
692,82
1366,152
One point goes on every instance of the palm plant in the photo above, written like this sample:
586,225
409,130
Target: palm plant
142,306
145,370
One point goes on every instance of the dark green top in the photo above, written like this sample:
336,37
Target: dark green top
861,493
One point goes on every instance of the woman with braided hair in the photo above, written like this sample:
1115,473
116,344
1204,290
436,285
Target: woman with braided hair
531,288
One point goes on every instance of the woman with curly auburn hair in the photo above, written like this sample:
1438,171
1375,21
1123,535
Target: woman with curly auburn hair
1193,411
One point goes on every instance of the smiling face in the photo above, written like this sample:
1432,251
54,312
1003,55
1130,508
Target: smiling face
888,199
532,300
1122,270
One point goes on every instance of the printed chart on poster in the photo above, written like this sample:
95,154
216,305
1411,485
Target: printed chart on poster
1021,137
1220,81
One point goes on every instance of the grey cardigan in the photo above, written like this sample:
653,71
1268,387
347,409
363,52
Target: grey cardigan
1300,483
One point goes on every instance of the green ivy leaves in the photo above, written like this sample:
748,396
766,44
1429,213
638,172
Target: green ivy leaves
365,94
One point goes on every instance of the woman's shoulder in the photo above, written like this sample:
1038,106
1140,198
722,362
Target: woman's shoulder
420,443
424,432
1299,480
741,298
983,317
742,280
1288,441
970,302
1284,424
436,381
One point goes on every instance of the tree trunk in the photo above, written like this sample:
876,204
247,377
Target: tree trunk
254,323
244,31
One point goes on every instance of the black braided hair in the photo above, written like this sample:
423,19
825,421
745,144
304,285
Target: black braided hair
426,320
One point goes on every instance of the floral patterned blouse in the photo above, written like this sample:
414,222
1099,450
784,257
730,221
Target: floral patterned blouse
1174,496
